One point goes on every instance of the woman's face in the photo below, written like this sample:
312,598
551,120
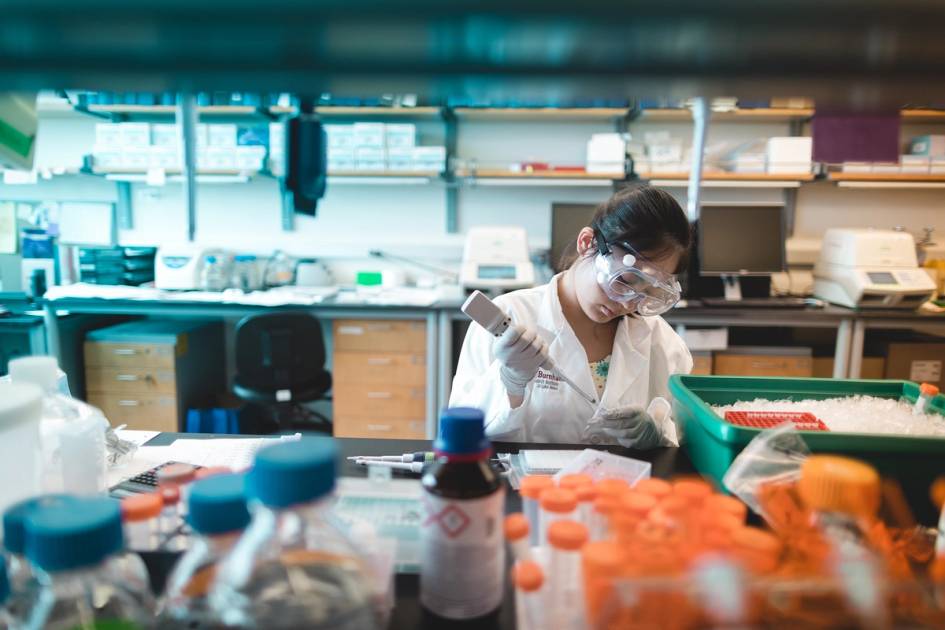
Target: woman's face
595,304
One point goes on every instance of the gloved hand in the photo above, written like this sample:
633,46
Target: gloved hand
521,352
631,427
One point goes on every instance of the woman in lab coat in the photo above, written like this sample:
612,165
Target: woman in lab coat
599,323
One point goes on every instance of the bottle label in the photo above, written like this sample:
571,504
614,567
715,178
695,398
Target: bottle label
463,556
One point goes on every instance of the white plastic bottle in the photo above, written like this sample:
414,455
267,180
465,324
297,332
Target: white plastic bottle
294,567
72,433
86,581
463,553
21,407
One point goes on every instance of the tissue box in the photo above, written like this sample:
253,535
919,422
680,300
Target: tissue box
606,147
932,146
250,158
400,158
369,134
886,167
134,134
340,136
107,157
401,135
135,158
789,155
167,158
370,159
220,158
107,135
857,167
221,136
429,158
163,135
914,163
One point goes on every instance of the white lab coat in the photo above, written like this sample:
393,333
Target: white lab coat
646,352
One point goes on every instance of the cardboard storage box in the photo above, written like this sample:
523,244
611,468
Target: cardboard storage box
919,362
702,363
871,368
763,361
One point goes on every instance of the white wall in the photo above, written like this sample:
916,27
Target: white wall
412,219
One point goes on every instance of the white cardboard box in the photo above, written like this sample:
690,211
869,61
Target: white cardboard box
134,134
165,135
789,154
401,135
107,135
221,135
914,163
369,135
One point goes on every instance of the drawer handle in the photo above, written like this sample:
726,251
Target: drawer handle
379,361
380,395
128,403
126,377
378,427
125,352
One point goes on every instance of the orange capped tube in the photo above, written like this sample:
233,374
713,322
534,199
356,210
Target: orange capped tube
659,488
556,504
531,488
575,481
566,539
758,551
585,496
141,515
529,579
601,563
693,489
516,529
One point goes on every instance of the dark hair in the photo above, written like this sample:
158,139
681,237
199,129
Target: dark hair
647,218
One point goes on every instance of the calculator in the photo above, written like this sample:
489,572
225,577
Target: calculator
143,482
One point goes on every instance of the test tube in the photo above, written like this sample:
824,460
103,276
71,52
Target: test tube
757,550
927,392
585,496
659,488
528,579
612,487
516,529
604,508
556,504
631,508
727,505
179,475
693,489
141,515
575,481
566,538
601,563
531,488
170,515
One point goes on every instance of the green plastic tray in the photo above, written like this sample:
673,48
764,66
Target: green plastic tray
713,444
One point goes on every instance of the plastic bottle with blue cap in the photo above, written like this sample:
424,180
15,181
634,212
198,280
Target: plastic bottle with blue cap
217,514
87,581
462,565
294,567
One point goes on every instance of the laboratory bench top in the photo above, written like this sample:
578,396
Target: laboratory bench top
407,611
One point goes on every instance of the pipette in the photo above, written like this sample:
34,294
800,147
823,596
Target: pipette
420,456
484,312
414,467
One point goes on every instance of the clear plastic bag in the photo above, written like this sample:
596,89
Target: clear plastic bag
774,456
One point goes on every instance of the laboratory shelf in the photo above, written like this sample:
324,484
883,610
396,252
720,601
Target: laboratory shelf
919,115
759,115
355,113
541,113
730,180
888,180
503,177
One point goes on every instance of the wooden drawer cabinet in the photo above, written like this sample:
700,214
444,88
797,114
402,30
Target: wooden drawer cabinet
139,412
148,373
111,354
380,375
382,428
129,379
380,368
382,335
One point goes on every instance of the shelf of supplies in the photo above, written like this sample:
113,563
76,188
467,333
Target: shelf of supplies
759,115
426,174
378,112
730,180
383,178
887,180
501,177
167,111
540,113
923,115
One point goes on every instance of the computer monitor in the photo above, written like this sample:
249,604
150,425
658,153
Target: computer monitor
741,240
567,219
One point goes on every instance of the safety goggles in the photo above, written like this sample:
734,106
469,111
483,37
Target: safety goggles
628,278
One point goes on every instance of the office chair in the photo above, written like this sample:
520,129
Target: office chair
280,364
